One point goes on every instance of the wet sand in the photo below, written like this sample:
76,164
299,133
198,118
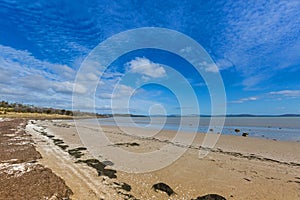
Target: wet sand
236,168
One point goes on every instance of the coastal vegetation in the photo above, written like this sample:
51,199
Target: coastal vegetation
18,110
6,107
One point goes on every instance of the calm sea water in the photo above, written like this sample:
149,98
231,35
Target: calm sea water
279,128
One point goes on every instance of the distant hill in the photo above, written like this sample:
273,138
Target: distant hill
251,115
6,107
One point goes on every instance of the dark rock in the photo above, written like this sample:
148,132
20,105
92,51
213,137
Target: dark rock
108,163
210,197
123,186
237,130
247,179
164,188
126,187
245,134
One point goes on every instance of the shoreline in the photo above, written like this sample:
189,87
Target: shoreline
234,168
265,148
223,134
284,129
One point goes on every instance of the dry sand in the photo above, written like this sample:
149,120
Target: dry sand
236,168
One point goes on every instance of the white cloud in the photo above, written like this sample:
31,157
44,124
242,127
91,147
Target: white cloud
92,77
111,75
119,92
212,68
278,95
186,50
123,91
68,87
104,95
287,93
224,64
209,67
27,79
145,78
145,66
22,63
252,80
246,99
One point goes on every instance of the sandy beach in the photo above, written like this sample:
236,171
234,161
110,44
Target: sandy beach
150,100
236,168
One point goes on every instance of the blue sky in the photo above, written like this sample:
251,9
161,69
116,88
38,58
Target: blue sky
255,44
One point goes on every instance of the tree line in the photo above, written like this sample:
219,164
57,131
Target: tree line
21,108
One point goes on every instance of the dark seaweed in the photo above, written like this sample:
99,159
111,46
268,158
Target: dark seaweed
100,167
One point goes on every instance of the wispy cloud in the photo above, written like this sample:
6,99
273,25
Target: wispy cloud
22,63
286,93
224,64
245,100
260,36
274,95
25,78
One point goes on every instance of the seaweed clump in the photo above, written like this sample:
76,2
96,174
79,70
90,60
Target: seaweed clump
127,144
100,167
77,152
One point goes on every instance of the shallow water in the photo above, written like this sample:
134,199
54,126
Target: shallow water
279,128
